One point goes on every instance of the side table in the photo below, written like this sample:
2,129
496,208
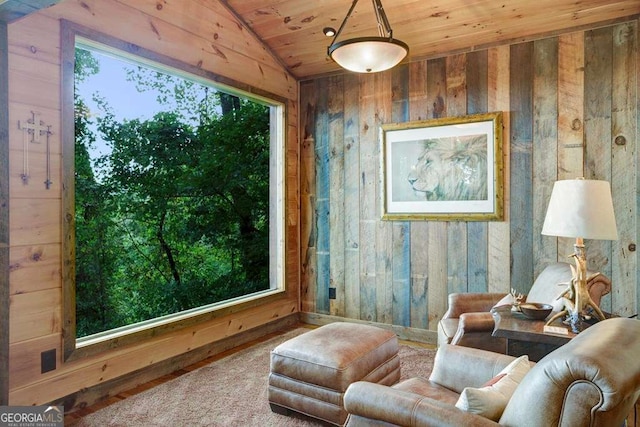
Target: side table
525,336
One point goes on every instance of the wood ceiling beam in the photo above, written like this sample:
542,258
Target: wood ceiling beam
10,10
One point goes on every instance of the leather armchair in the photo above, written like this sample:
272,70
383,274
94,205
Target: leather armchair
594,380
468,320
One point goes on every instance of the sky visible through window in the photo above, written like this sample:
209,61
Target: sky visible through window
121,95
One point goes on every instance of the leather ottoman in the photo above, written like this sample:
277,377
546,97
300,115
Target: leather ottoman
311,372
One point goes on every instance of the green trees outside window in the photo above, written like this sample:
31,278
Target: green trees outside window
172,206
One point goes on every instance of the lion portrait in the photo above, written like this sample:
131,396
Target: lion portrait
451,169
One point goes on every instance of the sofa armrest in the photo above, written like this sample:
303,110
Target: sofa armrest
471,302
386,404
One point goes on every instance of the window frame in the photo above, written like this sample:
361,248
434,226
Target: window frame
74,348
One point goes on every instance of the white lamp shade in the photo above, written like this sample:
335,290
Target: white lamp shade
368,54
581,208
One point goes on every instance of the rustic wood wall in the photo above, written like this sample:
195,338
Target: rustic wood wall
198,33
568,101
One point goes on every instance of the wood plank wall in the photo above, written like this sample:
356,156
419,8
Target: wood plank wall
198,33
568,101
4,214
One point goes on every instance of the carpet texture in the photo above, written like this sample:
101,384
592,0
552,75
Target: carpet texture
229,392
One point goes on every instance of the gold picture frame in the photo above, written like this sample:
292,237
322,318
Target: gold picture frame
448,169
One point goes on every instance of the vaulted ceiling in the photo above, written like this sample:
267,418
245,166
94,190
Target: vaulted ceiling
292,29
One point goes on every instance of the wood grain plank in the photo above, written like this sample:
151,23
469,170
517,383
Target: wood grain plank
322,202
39,40
598,89
418,110
351,196
456,101
545,146
368,209
521,77
624,166
384,229
336,193
35,221
401,252
570,117
34,83
35,314
637,184
308,261
291,204
477,231
499,238
438,243
4,216
34,268
570,105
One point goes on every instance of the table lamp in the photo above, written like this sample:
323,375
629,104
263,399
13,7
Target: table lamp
580,209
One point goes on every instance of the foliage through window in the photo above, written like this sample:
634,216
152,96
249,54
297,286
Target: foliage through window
172,192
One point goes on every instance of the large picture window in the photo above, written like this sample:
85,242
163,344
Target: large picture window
175,190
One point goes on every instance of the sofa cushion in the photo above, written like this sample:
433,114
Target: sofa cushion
490,400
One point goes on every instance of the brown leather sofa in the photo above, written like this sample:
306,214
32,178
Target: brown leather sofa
468,320
594,380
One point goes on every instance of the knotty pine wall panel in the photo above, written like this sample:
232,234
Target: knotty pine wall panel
566,100
198,33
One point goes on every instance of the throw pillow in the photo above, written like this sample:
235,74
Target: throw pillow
491,399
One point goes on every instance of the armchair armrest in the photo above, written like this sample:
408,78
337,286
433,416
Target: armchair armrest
397,407
599,286
471,302
476,322
475,330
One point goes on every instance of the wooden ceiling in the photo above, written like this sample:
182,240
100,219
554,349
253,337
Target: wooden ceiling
292,29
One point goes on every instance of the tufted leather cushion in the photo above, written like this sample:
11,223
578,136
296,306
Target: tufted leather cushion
311,372
335,355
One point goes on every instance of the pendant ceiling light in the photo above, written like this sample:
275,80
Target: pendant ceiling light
367,54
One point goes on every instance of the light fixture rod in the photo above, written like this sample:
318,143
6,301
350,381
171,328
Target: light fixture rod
381,17
346,18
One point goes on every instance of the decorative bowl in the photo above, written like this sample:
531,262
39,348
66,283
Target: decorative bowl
535,310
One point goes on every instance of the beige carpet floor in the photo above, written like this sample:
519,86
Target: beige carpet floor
229,392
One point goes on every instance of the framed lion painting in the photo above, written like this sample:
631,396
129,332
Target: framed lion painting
448,169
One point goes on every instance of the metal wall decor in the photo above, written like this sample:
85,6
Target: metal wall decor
33,130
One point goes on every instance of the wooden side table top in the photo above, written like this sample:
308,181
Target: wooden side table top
515,326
